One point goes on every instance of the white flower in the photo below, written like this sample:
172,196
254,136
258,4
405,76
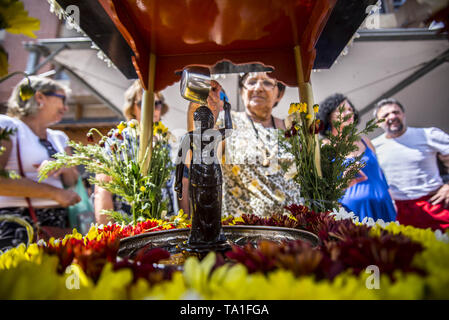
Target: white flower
382,223
439,235
342,214
369,221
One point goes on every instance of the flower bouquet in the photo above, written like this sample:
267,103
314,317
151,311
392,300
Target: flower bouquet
321,169
116,156
15,20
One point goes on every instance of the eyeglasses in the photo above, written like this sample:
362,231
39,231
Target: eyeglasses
52,94
49,147
157,104
251,84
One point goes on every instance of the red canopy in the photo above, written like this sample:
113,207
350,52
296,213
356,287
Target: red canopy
201,32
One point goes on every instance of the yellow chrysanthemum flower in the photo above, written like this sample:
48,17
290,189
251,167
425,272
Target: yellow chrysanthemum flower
17,20
181,220
3,62
159,128
303,107
143,189
236,220
93,234
26,92
121,127
316,108
294,107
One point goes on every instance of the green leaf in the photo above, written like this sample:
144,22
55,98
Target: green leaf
3,62
17,21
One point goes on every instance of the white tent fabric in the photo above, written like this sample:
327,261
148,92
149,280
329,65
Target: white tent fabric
108,81
368,69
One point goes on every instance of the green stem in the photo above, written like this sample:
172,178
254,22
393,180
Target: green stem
13,74
96,130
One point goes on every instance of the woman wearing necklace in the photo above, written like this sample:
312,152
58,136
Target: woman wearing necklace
253,181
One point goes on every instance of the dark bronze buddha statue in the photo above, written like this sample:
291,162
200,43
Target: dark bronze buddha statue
205,180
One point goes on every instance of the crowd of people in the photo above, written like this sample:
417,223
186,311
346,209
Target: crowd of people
401,179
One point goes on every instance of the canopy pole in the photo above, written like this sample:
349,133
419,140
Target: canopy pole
146,120
306,95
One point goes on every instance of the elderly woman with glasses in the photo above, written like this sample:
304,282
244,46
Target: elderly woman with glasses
103,199
253,181
30,146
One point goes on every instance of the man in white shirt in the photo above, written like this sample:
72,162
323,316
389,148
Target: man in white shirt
408,157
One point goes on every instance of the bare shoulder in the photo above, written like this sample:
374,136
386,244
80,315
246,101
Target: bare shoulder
280,124
369,143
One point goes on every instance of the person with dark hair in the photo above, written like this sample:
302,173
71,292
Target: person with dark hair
253,180
384,102
329,108
408,157
367,195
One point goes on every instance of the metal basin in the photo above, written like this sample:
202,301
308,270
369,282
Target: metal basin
240,235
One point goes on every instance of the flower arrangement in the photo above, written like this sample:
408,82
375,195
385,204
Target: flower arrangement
412,264
116,156
321,169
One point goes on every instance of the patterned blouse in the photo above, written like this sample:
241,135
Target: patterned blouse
253,181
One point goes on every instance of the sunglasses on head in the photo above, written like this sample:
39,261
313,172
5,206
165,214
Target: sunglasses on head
52,94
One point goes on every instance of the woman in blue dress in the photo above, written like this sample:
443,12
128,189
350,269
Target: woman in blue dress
367,195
